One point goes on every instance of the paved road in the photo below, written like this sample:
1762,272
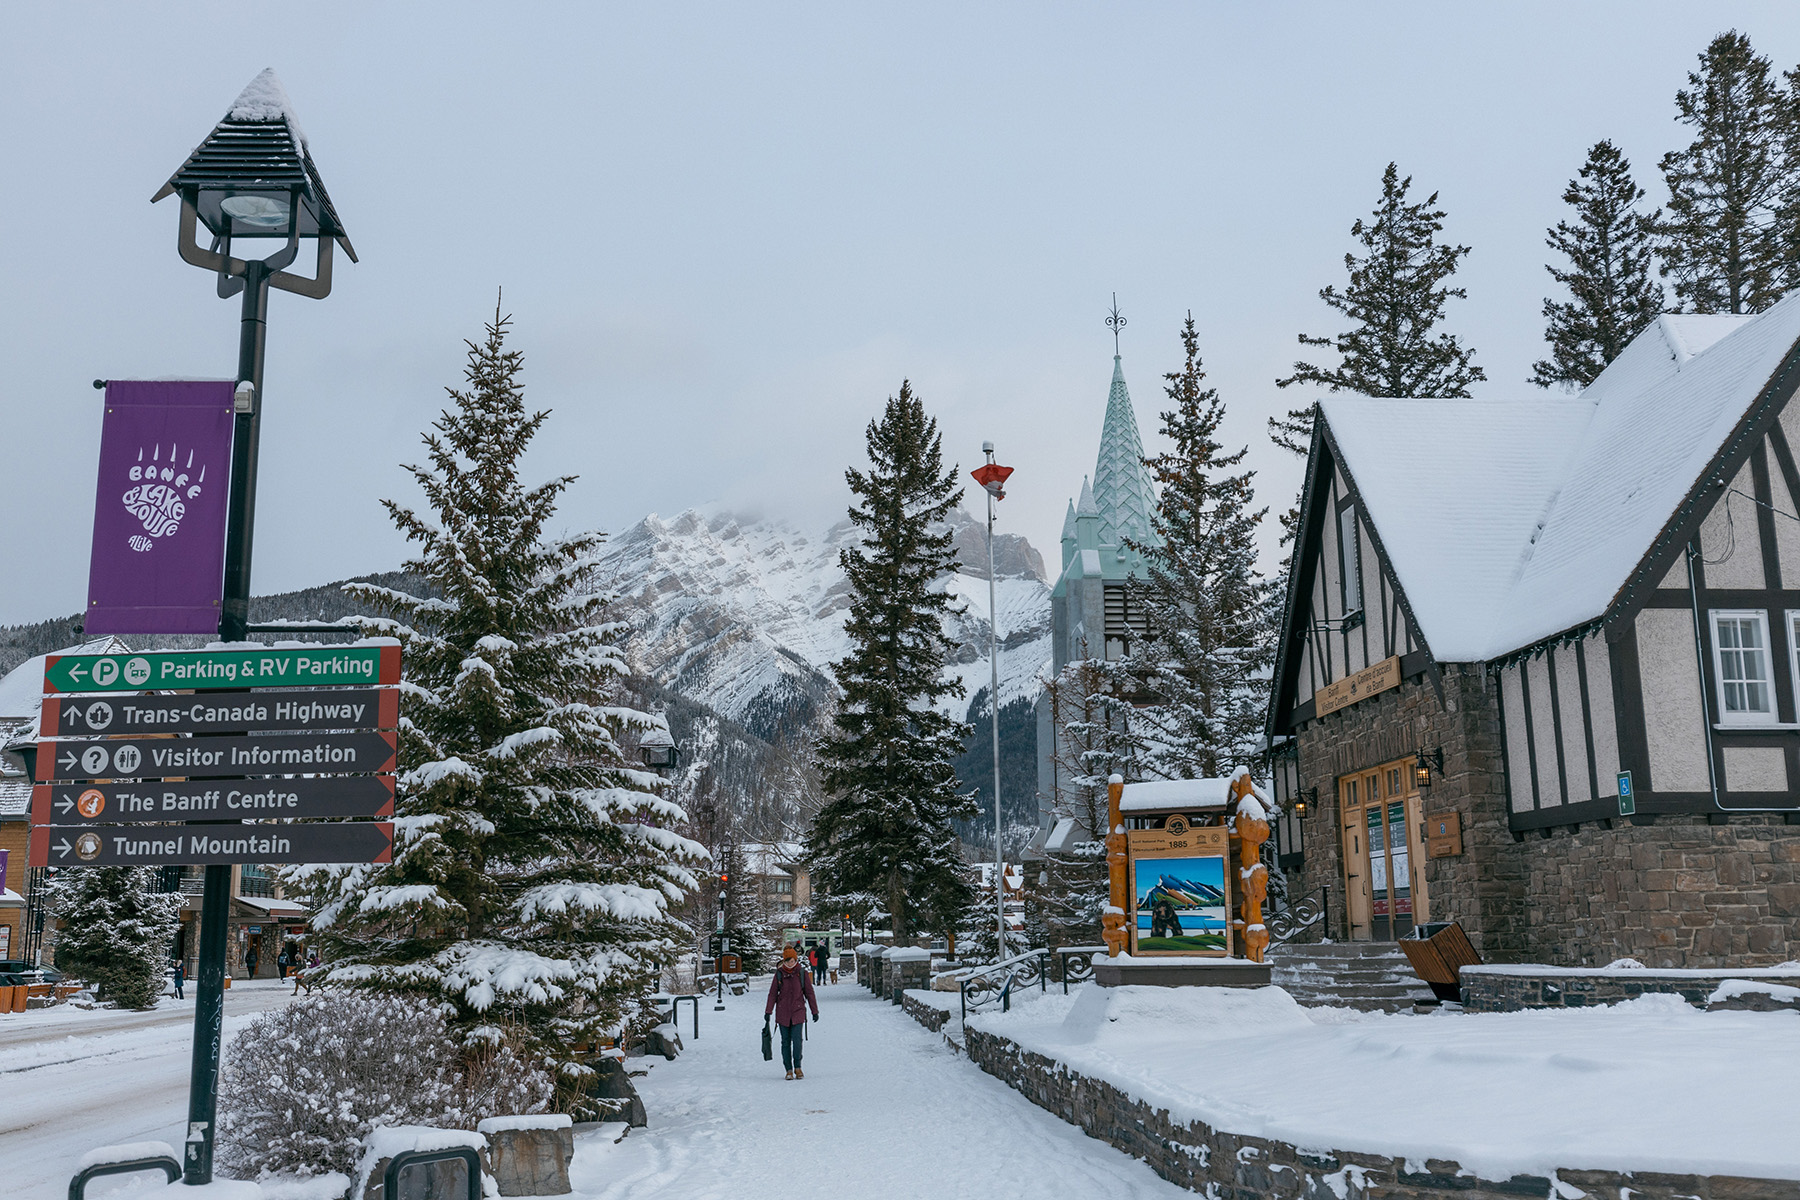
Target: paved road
71,1080
886,1110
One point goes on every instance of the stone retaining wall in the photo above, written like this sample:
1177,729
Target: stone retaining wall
1229,1166
1511,990
931,1018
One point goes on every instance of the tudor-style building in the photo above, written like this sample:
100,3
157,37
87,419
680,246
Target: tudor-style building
1540,662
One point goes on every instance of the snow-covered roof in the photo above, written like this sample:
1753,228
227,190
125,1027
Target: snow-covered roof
274,908
15,797
264,99
10,898
1176,793
1508,522
22,691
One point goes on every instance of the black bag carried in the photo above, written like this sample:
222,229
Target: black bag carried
768,1041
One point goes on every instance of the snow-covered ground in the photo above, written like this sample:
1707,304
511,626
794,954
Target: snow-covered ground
1649,1085
882,1100
886,1110
74,1079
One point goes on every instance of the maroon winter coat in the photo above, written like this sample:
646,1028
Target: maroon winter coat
790,992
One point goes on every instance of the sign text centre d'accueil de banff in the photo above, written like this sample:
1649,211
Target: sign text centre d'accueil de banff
202,670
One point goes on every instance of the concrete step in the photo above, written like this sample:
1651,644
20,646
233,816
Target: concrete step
1369,976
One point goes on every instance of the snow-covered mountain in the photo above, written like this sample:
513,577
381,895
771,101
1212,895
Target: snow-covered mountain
746,615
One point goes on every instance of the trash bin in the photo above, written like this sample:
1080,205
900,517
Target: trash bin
1437,950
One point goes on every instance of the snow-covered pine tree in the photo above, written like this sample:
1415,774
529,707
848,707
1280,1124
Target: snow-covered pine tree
1395,300
1722,245
1613,294
1208,647
889,771
116,926
534,871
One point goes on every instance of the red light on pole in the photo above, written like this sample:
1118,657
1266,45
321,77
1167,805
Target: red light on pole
992,476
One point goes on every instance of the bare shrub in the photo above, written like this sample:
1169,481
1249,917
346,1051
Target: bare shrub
303,1085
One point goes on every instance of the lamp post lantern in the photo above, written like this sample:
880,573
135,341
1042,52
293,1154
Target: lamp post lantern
252,180
992,478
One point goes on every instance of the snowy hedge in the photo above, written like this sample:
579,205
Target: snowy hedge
302,1086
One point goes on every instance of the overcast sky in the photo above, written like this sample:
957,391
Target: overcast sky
727,233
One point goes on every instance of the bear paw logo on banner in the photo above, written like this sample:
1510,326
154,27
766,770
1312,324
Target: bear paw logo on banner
159,495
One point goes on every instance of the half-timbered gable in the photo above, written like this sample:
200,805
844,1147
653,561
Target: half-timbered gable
1576,620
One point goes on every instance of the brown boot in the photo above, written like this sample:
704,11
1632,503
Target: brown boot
790,1074
799,1074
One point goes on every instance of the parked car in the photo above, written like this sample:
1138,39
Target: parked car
15,971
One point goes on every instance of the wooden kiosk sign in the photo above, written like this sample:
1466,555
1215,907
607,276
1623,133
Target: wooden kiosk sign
1173,882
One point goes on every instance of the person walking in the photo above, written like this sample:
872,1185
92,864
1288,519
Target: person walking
790,994
821,960
281,964
250,963
180,978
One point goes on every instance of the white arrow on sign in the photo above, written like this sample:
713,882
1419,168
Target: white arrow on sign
65,804
77,672
62,848
69,759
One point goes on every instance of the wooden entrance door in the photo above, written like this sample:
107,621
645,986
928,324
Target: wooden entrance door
1383,837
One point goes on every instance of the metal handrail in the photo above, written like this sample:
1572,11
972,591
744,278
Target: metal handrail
155,1162
1084,959
996,982
675,1012
1290,922
390,1182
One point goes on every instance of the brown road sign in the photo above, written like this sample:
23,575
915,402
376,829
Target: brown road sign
211,800
129,715
210,845
217,757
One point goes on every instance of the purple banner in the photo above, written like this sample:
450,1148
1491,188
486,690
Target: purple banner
159,518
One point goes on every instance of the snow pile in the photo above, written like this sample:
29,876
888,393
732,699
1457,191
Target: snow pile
1716,1097
128,1152
1731,989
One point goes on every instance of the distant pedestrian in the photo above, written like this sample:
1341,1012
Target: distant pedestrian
281,965
180,974
250,963
821,961
790,994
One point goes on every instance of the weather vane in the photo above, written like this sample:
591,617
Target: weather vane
1115,323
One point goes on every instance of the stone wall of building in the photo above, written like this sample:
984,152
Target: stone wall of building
1231,1166
1673,891
1484,887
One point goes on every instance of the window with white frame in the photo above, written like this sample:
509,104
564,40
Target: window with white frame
1793,627
1741,661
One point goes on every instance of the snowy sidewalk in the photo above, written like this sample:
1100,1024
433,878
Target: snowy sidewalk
886,1110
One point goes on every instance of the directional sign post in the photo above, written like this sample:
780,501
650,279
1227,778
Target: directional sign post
185,758
211,800
298,711
211,845
217,670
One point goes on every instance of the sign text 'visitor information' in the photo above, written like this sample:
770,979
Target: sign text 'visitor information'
255,754
202,670
212,845
211,800
337,708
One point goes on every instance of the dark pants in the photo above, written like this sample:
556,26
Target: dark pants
178,994
819,973
793,1037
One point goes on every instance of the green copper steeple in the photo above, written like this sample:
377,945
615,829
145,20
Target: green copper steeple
1122,489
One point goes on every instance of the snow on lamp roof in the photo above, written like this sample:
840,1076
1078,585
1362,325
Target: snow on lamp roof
1509,522
264,99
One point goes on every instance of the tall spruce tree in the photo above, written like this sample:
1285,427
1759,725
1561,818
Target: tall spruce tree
533,871
888,764
1395,300
1722,243
1613,295
1204,600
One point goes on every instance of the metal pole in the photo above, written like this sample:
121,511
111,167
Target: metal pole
215,905
994,713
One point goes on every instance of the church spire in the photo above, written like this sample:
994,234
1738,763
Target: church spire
1122,489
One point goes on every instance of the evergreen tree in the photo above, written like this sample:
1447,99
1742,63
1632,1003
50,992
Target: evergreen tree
533,871
1722,244
889,762
115,933
748,923
1208,649
977,927
1612,293
1395,300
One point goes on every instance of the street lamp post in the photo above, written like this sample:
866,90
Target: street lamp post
251,179
992,478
